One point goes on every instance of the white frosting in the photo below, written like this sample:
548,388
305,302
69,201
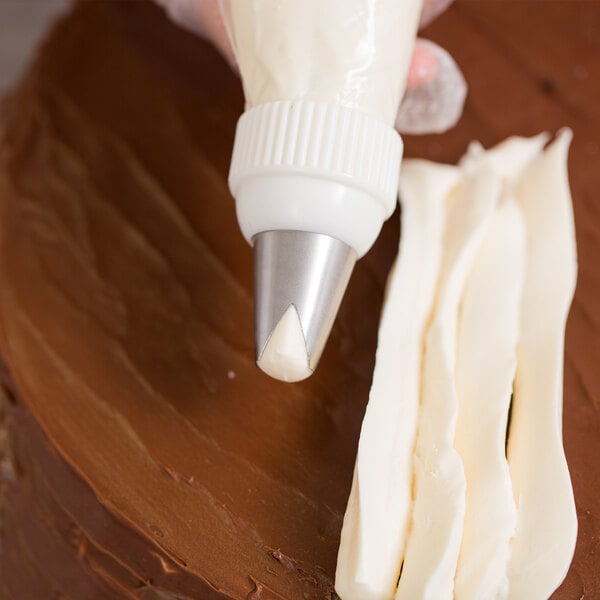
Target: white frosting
375,525
352,52
462,521
508,159
285,356
485,368
543,545
439,484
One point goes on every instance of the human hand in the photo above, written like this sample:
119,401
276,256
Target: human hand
435,91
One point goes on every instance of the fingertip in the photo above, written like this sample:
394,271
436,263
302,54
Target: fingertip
435,104
424,65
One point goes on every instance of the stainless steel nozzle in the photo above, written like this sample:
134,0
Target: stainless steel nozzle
299,281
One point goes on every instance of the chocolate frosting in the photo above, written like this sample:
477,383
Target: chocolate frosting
146,456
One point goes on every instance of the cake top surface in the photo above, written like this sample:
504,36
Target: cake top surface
126,308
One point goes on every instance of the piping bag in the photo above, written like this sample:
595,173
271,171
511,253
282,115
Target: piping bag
315,163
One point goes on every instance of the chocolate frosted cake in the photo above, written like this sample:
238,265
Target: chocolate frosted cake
143,453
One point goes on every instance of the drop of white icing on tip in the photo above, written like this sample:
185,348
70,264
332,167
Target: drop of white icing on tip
284,356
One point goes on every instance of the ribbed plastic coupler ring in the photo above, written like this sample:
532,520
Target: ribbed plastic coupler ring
321,139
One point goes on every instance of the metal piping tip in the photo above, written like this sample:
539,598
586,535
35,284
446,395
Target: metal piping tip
299,281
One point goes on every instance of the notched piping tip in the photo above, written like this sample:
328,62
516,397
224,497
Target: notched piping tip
299,280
